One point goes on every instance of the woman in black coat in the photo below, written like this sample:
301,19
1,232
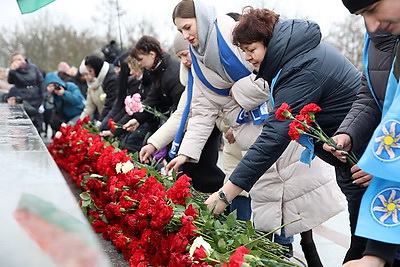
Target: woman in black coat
163,72
300,69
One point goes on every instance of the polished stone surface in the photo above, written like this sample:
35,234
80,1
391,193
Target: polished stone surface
37,208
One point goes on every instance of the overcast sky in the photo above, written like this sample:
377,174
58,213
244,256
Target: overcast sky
79,13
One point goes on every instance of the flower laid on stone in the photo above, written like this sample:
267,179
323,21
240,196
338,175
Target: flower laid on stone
154,219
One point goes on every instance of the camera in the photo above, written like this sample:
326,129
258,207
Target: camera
18,100
57,87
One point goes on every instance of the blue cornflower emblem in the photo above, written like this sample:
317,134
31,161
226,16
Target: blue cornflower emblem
385,207
387,142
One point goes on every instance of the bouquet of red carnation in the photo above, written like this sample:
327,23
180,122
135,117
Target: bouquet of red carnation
305,123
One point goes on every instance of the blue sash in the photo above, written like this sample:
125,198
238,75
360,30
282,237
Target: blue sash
305,140
203,79
179,134
258,115
379,216
382,155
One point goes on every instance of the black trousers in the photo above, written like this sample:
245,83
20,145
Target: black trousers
206,176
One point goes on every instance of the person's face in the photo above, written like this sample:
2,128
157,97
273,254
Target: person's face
50,88
87,77
19,60
188,28
3,75
135,71
91,71
254,53
185,57
146,61
383,15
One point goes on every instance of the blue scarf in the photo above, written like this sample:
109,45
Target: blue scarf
179,134
236,70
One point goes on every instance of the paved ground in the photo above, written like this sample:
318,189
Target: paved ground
332,240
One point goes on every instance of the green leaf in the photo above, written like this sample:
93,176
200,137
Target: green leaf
86,203
231,219
96,176
222,245
85,196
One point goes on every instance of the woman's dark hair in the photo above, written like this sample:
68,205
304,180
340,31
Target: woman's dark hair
255,25
95,62
184,9
145,45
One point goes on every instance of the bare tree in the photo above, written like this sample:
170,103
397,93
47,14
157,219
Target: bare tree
46,44
109,18
348,38
138,29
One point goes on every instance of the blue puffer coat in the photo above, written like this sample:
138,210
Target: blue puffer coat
310,72
71,103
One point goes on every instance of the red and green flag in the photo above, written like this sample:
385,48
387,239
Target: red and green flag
28,6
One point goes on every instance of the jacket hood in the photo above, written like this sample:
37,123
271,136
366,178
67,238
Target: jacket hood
52,77
290,39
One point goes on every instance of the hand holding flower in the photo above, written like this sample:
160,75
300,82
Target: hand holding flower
176,163
131,125
145,153
106,133
212,200
305,123
133,104
231,191
343,142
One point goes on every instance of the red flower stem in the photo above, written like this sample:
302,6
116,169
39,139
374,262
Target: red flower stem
320,135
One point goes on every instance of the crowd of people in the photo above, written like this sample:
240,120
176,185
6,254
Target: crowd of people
228,79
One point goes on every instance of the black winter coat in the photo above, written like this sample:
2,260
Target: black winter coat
166,88
365,114
29,84
110,87
311,72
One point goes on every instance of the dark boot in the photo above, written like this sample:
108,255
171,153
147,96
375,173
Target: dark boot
311,254
289,252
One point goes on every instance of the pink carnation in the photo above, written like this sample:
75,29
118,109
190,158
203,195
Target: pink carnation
133,104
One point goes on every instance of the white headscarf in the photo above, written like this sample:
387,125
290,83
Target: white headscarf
207,51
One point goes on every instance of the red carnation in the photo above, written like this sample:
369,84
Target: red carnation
293,132
199,254
100,226
237,259
283,112
191,211
304,118
314,108
111,124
